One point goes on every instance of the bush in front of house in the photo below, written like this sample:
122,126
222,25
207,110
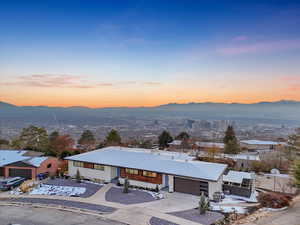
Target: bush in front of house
274,200
78,177
126,186
203,204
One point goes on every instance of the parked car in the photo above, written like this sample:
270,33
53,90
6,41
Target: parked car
42,176
11,183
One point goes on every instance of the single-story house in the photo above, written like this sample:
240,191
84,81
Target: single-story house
243,160
258,144
20,163
209,145
149,169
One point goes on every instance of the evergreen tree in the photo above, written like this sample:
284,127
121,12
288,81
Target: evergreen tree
231,143
87,140
164,139
183,136
113,138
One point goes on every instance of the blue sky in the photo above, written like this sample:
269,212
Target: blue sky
148,52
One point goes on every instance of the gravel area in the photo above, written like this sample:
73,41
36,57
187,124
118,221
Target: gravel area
74,204
194,215
91,188
133,197
158,221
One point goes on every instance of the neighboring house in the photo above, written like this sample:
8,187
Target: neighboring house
149,169
239,183
257,144
209,145
19,163
243,160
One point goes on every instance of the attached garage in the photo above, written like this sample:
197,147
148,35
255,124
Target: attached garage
25,173
189,186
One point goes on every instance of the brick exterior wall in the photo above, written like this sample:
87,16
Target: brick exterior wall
43,168
140,177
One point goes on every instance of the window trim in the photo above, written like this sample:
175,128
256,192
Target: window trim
132,171
78,164
149,174
101,167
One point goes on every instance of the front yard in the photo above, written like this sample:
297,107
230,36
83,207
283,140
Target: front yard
115,194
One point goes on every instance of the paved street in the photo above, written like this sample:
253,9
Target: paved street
45,216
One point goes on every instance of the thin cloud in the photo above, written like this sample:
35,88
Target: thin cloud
65,81
271,46
152,83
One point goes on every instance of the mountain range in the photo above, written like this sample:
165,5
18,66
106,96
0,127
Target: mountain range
276,112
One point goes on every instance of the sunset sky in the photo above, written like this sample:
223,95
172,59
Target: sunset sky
103,53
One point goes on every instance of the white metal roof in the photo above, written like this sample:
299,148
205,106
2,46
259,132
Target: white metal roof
209,144
11,156
159,161
36,161
175,142
237,177
258,142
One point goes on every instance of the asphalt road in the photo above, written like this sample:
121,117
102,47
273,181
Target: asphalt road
26,215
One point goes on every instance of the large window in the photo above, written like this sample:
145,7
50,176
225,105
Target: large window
132,171
149,174
77,164
98,167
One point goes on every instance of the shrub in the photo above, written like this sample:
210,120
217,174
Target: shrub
156,188
274,200
78,177
126,186
203,204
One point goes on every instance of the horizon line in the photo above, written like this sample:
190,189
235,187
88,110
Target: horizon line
170,103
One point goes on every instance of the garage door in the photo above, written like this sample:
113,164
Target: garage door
26,173
189,186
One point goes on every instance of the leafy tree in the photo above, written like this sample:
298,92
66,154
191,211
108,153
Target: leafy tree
212,152
87,139
113,138
53,136
145,144
34,138
183,136
16,144
64,154
62,143
231,143
293,144
164,139
296,173
4,142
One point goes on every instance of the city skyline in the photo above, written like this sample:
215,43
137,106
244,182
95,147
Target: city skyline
148,53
